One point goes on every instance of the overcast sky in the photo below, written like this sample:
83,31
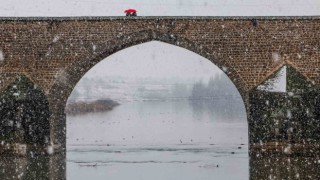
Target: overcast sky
159,7
157,59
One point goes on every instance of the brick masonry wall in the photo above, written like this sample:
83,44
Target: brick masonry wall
56,52
43,49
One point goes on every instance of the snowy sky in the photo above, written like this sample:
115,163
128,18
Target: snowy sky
152,59
159,7
156,60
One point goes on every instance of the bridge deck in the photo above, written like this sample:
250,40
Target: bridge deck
157,17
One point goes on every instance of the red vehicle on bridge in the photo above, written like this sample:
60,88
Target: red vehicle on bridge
131,12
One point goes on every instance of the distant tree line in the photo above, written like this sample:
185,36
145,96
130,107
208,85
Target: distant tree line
217,86
96,88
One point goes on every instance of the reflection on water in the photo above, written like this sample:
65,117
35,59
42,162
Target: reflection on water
269,167
53,168
220,109
33,167
159,140
172,162
160,122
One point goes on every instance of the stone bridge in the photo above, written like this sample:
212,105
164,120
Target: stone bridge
42,59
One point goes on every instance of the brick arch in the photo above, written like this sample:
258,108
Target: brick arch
76,70
67,80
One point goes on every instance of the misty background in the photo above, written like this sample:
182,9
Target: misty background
153,71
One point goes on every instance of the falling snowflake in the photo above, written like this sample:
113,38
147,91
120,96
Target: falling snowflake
62,76
56,38
276,57
50,150
290,93
1,56
287,150
48,53
224,69
289,114
299,56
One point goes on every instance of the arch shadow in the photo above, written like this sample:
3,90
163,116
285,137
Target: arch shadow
24,116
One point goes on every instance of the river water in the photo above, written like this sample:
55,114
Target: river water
170,140
161,140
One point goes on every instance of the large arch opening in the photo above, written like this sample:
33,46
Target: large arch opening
171,120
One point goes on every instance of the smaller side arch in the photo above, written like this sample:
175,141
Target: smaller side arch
301,76
268,76
24,113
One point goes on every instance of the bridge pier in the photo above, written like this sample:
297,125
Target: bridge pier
284,167
58,130
24,118
285,122
32,167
